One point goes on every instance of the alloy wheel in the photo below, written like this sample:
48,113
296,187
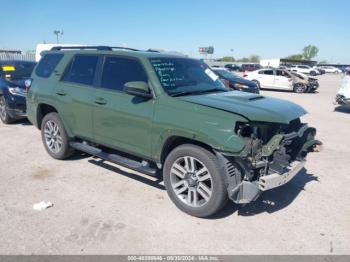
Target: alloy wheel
53,137
191,181
299,88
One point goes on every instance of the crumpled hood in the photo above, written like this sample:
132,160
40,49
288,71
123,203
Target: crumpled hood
252,106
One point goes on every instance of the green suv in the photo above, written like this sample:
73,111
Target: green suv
152,111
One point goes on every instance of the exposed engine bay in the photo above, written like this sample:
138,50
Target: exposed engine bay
272,153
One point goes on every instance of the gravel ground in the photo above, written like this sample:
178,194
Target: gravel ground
105,209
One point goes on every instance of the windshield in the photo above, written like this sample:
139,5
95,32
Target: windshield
185,75
16,71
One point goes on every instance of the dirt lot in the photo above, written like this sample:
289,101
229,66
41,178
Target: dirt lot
104,209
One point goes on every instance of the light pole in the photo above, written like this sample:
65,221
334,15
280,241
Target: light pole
232,53
57,33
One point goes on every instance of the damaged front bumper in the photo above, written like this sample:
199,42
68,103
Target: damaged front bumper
275,180
342,100
246,180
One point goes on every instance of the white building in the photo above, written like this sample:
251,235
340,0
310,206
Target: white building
275,62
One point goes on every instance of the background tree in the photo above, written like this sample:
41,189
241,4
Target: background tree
310,52
295,57
228,59
244,60
254,58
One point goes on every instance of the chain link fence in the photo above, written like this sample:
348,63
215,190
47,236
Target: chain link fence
5,56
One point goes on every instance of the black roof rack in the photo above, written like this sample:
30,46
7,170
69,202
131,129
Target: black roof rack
126,48
100,48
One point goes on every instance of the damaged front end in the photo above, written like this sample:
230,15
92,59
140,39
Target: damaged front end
273,155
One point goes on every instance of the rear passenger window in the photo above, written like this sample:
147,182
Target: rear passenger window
47,64
119,70
81,70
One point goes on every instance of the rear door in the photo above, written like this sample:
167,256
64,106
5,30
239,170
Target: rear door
283,80
122,120
75,93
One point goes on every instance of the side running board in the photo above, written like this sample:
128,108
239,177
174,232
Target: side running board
114,158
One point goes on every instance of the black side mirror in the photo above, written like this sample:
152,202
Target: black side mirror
138,88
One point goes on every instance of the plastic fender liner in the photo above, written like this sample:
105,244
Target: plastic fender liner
239,191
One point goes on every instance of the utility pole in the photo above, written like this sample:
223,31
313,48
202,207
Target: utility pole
58,33
232,50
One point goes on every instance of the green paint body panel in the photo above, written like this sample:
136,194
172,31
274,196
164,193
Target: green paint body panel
253,106
142,127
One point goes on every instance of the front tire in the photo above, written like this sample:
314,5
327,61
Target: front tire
300,88
193,181
55,138
4,115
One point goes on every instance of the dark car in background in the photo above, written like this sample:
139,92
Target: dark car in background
233,67
250,67
236,82
346,69
13,75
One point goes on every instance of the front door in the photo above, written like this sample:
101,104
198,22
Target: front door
122,120
283,80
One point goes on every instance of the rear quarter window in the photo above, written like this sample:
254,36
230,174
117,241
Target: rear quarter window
47,64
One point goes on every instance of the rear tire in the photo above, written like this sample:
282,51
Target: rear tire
4,115
313,73
193,181
55,138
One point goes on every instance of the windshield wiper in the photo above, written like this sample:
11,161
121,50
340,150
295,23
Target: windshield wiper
188,93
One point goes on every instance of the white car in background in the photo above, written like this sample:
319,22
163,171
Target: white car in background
343,96
331,69
280,79
305,69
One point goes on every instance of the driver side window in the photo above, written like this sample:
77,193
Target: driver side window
119,70
282,73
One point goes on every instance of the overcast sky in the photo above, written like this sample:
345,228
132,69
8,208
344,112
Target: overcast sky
267,28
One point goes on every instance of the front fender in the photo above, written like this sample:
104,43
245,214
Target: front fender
210,126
